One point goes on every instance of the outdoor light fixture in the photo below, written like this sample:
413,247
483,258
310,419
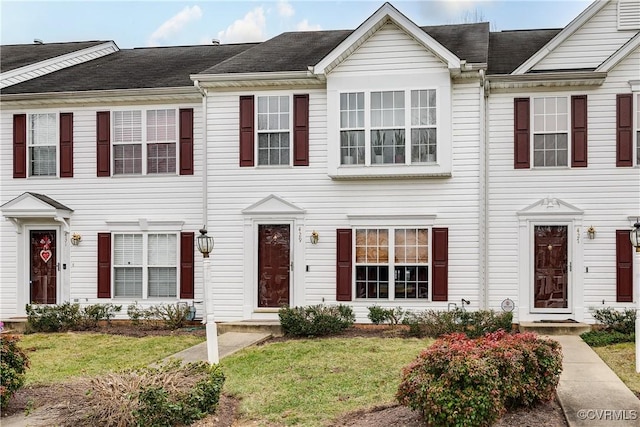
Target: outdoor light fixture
205,243
314,237
75,239
591,232
635,235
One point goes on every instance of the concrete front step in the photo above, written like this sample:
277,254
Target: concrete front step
265,326
555,328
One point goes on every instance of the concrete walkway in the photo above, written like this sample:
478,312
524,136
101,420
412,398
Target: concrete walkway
228,343
590,393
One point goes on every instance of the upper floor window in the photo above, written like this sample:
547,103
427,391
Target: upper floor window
638,129
390,132
42,144
550,131
274,130
144,142
392,263
145,265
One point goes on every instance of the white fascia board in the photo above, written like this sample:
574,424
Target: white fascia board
277,78
375,21
103,49
552,79
620,54
571,28
187,93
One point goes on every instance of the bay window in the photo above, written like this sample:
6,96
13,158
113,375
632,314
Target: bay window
392,263
42,144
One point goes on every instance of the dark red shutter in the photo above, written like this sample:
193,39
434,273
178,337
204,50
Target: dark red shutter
246,131
19,145
579,131
300,130
66,145
343,264
186,141
521,133
440,268
624,131
624,267
104,265
186,265
103,145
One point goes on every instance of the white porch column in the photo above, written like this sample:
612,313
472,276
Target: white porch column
211,327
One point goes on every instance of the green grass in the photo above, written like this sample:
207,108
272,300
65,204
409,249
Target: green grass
310,382
621,358
56,357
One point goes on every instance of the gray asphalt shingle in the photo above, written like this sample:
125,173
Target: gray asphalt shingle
14,56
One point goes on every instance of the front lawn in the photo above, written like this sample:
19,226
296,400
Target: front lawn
310,382
57,357
621,358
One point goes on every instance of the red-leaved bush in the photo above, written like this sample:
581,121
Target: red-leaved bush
459,381
13,366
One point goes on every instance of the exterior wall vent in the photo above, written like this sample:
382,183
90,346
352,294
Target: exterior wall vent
628,15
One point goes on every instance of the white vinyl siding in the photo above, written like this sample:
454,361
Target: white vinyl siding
42,142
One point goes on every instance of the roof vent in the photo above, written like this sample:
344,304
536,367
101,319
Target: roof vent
628,15
38,41
215,42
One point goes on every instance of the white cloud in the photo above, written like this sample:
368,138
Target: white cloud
450,10
175,24
285,9
305,26
251,28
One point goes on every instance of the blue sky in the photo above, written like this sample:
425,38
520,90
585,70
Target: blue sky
161,23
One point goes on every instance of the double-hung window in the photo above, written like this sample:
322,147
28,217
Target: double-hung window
42,144
274,130
144,142
392,263
381,127
550,132
638,129
145,265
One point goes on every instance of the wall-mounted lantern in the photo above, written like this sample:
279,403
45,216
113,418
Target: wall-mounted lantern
635,236
591,233
314,237
75,239
205,243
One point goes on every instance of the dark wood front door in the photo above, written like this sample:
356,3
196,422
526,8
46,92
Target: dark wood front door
273,264
44,267
551,267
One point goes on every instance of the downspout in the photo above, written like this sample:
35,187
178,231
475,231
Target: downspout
205,157
484,191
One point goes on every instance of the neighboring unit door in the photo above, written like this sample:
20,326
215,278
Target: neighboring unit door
274,259
43,267
551,284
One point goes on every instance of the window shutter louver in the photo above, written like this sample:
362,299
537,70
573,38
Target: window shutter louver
440,262
103,143
343,264
624,131
186,141
66,145
624,267
19,145
521,133
247,148
301,130
579,131
186,265
104,265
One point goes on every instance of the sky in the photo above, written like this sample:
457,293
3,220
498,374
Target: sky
145,23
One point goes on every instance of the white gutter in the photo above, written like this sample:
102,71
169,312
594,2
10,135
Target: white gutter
205,157
483,208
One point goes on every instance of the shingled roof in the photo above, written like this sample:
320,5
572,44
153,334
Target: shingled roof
467,41
509,49
133,69
14,56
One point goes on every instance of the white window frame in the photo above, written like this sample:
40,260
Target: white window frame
636,134
144,142
259,131
555,131
146,265
31,145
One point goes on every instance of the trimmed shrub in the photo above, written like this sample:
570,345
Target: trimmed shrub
379,315
614,320
316,320
433,323
13,366
170,316
92,314
459,381
604,337
52,318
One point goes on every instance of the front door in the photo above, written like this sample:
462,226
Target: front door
44,267
273,265
551,285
